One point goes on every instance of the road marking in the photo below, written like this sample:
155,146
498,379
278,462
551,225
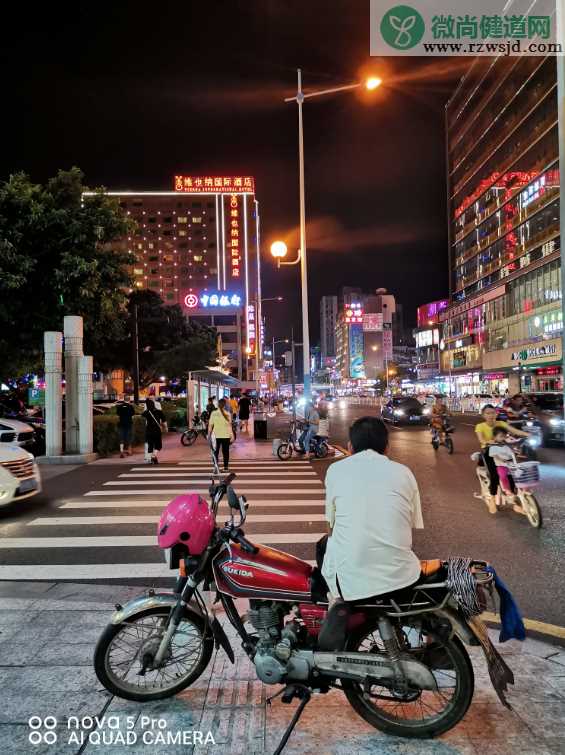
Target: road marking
536,626
88,505
32,543
159,473
189,481
255,462
72,521
201,491
54,572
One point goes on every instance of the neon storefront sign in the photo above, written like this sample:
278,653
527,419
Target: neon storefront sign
209,300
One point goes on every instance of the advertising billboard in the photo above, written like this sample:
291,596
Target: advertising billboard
356,343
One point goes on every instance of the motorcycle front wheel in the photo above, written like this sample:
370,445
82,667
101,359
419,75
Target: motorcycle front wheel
124,651
284,451
532,509
449,445
188,438
322,450
419,713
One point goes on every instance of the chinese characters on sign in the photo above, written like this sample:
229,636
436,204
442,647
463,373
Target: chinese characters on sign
251,325
233,236
212,299
373,322
387,343
490,27
353,313
215,184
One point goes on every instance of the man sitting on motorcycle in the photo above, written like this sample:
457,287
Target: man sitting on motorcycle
440,418
372,505
485,434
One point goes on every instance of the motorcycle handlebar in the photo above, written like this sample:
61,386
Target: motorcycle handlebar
248,547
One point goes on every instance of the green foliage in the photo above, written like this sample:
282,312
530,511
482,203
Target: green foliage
107,437
57,258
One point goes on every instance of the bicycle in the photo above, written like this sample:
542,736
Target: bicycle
199,427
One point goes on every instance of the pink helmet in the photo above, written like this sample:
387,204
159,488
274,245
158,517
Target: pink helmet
186,520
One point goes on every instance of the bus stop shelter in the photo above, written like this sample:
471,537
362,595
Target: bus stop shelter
203,384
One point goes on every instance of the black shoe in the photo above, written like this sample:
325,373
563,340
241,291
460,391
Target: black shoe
154,460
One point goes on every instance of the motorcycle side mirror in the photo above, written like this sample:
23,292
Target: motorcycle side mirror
233,500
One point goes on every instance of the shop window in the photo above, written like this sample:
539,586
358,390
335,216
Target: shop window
182,219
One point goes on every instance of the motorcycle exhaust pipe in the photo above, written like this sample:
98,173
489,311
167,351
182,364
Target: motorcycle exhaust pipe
361,665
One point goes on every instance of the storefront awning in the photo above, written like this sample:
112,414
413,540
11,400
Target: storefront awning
214,376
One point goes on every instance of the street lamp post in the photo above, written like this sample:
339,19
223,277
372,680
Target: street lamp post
371,84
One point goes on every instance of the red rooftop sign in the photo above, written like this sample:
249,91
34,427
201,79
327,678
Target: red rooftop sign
215,184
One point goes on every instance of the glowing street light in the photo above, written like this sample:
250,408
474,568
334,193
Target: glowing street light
373,82
279,249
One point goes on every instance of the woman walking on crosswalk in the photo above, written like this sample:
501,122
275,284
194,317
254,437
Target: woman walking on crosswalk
220,427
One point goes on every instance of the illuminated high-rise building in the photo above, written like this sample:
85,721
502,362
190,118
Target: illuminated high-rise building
503,327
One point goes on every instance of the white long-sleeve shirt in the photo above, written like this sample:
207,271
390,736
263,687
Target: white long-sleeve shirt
373,504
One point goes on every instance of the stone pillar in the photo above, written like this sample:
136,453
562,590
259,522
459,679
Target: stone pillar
73,351
53,347
85,420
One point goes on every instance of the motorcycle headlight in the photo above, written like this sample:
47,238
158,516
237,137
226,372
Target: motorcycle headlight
555,422
533,442
399,412
529,423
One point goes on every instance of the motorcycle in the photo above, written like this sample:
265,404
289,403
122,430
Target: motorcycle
318,444
526,476
446,440
526,421
199,427
399,659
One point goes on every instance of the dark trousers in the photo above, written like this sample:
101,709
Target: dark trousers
224,444
492,473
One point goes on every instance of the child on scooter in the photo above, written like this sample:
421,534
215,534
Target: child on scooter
503,457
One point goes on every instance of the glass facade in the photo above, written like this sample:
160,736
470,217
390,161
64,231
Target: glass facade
503,188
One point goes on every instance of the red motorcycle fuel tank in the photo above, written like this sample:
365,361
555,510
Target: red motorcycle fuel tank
270,574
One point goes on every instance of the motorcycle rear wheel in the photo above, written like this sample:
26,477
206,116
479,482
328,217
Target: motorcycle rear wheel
140,634
449,445
397,720
532,509
322,450
284,451
188,437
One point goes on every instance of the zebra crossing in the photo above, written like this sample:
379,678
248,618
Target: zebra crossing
109,531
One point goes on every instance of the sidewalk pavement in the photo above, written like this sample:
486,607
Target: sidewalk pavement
48,632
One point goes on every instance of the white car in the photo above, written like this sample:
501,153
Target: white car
19,474
17,433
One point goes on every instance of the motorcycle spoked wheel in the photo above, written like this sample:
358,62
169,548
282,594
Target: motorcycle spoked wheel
422,713
532,509
189,437
284,451
189,655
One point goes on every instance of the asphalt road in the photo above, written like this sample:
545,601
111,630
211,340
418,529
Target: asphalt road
44,538
530,561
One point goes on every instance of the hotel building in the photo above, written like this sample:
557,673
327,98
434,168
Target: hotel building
198,246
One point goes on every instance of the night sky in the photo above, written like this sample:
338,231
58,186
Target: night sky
134,92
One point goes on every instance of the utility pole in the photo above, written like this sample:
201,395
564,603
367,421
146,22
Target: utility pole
293,374
135,349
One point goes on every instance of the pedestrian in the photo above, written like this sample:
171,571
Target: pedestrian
233,405
126,413
244,406
154,419
220,426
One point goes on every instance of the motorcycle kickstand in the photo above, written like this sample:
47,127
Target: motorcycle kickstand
288,694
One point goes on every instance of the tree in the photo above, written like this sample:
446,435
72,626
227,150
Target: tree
58,257
168,344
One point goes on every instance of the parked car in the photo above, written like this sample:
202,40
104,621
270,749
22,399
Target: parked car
547,408
405,410
19,474
17,433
